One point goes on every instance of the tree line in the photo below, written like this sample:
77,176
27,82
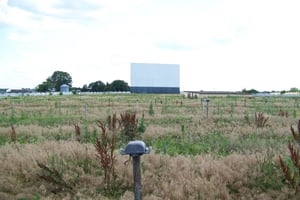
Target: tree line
58,78
253,91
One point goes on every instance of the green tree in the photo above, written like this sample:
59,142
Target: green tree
107,87
119,85
46,86
59,78
97,86
294,89
252,91
85,88
283,92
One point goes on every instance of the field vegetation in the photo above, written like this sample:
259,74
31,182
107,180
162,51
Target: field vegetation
67,146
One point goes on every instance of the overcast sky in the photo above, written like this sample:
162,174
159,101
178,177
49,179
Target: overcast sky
220,45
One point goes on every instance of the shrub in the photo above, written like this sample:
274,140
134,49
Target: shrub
105,154
142,127
260,120
151,110
53,176
295,135
13,134
292,173
77,132
129,124
59,174
113,123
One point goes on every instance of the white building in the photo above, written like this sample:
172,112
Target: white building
155,78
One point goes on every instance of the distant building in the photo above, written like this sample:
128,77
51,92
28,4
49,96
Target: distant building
3,90
23,90
155,78
64,88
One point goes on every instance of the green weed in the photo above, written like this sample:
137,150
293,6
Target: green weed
210,143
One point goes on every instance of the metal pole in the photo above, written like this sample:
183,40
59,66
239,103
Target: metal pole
137,105
206,109
86,111
137,177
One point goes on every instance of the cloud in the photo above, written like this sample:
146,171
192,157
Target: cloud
55,8
173,45
82,5
91,39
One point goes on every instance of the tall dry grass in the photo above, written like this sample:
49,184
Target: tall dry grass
205,176
163,176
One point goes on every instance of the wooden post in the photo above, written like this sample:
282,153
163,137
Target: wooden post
137,177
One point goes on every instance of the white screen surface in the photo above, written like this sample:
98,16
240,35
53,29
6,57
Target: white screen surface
154,75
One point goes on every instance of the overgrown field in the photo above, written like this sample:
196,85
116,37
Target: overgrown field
48,151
